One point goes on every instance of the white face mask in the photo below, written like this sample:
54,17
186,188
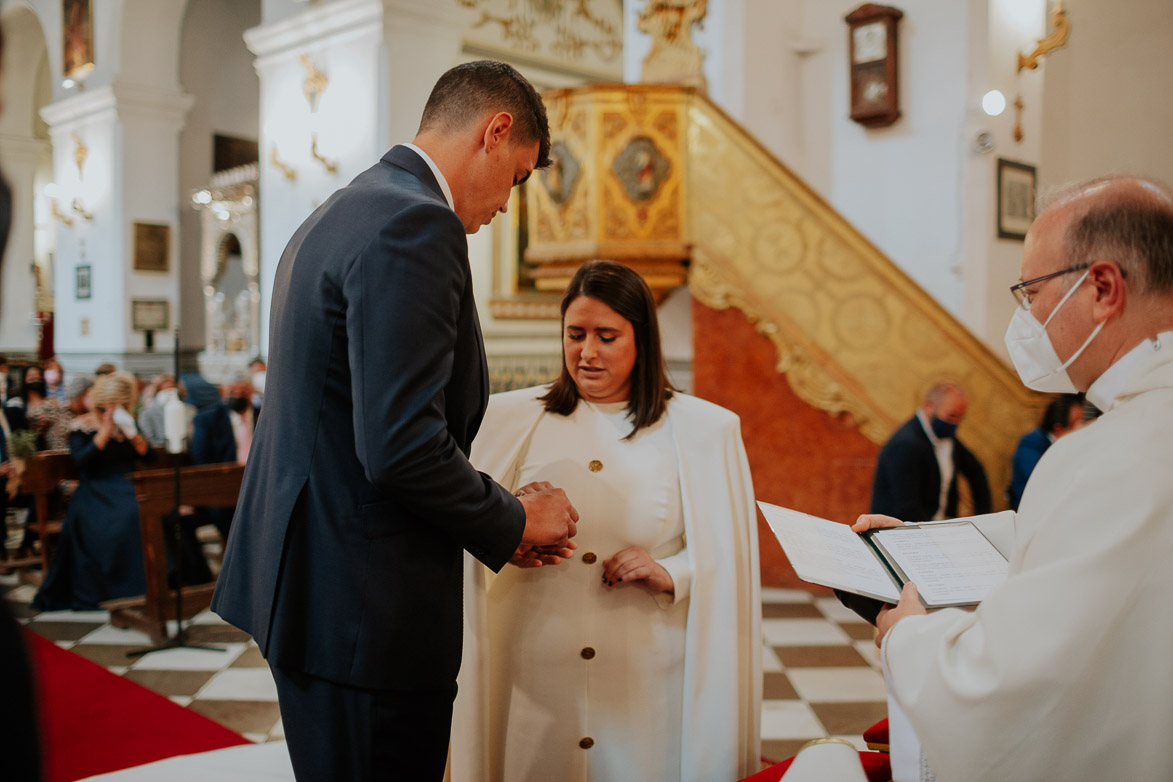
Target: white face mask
1034,357
258,379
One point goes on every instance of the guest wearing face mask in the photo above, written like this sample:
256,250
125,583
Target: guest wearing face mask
917,470
54,380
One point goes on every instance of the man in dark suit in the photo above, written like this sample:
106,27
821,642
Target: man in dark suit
916,473
344,559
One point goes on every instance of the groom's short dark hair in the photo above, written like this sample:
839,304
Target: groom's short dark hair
472,89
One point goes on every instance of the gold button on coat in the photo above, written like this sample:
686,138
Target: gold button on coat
589,558
595,465
588,653
586,743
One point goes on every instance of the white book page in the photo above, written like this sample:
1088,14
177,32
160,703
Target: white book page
949,564
828,553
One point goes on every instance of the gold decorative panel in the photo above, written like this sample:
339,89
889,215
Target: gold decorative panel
629,198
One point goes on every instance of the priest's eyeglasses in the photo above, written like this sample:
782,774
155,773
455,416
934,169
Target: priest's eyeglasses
1023,298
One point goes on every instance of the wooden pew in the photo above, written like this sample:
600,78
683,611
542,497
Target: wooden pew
43,473
206,486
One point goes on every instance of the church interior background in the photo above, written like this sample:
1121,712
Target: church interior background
816,272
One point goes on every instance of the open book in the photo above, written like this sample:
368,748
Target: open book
952,563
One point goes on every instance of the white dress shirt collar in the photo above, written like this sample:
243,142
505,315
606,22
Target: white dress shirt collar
436,171
1103,392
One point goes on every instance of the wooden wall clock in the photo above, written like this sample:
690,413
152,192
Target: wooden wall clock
873,46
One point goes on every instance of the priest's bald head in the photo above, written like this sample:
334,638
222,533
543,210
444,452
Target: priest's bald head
1098,280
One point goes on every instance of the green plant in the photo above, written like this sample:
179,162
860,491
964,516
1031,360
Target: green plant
22,445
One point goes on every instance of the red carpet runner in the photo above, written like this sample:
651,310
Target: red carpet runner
93,722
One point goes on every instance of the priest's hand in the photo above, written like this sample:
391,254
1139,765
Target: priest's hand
550,519
633,565
909,605
869,521
536,556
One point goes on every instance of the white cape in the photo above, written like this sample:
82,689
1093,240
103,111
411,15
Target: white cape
720,736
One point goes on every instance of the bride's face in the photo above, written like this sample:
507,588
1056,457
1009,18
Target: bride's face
599,345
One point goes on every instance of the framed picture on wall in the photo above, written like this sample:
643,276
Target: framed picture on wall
152,245
1016,199
81,282
78,32
150,314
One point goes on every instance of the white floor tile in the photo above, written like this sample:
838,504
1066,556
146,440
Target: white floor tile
182,700
789,720
775,595
118,670
869,652
837,685
836,611
72,616
803,632
65,644
109,634
190,659
24,594
207,618
241,684
278,731
256,738
770,661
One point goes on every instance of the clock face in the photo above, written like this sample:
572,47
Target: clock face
870,42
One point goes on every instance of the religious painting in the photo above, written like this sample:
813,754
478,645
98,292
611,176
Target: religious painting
150,314
1016,199
78,31
642,168
81,282
559,177
152,244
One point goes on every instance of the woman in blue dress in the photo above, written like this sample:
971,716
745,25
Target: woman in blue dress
99,554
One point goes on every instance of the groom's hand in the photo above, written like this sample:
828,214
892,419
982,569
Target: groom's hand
550,519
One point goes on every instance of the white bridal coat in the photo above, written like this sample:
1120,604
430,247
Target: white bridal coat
719,719
1064,672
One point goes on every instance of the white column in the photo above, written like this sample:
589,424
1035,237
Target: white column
19,156
129,175
343,40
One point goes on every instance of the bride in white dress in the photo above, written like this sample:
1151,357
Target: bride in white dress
637,658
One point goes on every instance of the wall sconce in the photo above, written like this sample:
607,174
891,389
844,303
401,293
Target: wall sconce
288,170
1060,32
80,153
314,85
80,208
56,210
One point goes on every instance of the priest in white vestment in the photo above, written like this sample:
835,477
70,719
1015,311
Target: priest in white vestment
639,657
1064,672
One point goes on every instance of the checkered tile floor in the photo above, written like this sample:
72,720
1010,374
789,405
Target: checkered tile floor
821,674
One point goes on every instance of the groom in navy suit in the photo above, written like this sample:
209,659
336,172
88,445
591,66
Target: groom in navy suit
344,559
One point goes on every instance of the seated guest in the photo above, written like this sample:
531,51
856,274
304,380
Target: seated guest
99,553
150,420
54,379
212,438
640,660
1062,416
48,418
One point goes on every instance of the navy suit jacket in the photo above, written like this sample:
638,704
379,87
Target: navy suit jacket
907,483
344,559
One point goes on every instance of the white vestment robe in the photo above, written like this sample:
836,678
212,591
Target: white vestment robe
1065,671
717,712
